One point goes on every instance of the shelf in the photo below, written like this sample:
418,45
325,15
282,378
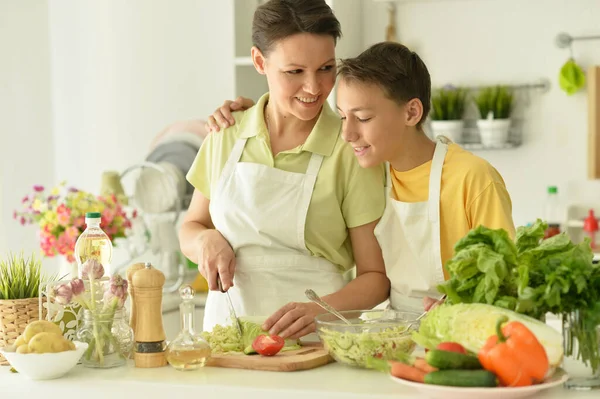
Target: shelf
245,61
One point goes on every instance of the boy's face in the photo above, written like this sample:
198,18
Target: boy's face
372,124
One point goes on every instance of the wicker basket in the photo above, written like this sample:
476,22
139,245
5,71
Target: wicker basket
14,317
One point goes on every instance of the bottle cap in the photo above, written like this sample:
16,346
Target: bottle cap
590,223
552,190
93,215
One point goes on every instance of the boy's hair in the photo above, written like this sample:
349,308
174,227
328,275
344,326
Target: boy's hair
398,71
278,19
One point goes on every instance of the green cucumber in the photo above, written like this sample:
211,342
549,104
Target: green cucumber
462,378
444,360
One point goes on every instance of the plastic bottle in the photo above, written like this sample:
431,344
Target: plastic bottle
590,227
553,212
93,243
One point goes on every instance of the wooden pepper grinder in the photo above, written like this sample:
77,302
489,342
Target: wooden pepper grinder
130,272
149,333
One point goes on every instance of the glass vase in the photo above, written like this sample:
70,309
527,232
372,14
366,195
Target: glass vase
109,336
581,342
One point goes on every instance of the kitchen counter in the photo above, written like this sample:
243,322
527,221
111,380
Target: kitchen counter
331,382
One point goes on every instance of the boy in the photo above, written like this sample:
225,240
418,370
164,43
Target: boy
437,191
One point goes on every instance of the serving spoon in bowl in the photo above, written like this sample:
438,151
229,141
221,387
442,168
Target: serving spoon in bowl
310,294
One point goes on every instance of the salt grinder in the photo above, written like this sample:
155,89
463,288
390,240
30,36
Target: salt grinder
149,349
132,317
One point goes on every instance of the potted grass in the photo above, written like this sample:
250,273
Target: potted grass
20,279
495,106
447,107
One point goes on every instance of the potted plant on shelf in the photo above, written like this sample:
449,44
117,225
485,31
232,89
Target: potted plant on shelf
447,107
495,106
20,279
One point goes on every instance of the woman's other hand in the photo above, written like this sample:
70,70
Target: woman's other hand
293,320
222,117
430,303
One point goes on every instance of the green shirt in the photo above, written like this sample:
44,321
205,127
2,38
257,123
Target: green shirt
345,195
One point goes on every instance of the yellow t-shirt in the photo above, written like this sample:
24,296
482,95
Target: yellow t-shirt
345,195
472,193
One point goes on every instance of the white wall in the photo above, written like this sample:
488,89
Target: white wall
123,70
86,85
26,153
511,41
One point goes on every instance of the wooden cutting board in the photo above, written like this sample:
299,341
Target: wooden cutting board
311,355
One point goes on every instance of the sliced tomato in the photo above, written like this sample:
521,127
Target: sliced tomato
452,347
268,345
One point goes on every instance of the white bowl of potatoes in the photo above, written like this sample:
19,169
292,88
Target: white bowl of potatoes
42,353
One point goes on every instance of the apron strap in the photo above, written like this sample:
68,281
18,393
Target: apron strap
435,180
234,157
435,187
314,165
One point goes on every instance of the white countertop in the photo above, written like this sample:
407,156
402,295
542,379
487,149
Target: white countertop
331,381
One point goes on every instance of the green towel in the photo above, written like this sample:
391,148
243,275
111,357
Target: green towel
571,77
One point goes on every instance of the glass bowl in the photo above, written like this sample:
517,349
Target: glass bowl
383,334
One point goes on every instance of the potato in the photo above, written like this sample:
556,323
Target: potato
19,341
39,326
71,345
47,342
23,349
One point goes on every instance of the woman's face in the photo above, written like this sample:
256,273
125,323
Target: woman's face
300,70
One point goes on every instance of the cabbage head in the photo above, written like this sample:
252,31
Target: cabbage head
472,324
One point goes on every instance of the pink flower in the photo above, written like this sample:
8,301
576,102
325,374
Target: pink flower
107,216
25,199
15,215
22,221
38,188
77,286
116,294
63,214
72,232
92,269
79,222
62,294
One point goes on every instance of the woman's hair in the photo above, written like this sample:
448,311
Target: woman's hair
278,19
397,70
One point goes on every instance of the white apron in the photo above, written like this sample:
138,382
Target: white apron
409,236
261,211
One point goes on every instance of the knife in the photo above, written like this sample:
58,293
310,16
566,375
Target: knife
236,321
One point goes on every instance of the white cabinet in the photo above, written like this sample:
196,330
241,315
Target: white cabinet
248,82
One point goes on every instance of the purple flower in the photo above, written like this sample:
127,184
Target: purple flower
73,190
62,294
116,294
38,188
92,269
77,286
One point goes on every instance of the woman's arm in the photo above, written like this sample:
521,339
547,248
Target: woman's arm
370,288
205,246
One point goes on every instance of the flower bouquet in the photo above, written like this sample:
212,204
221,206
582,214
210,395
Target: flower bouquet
60,215
104,326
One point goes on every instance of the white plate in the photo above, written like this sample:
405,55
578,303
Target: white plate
445,392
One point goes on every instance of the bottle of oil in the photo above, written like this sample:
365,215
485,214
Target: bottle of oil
93,243
189,351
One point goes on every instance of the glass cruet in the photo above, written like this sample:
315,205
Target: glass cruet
189,351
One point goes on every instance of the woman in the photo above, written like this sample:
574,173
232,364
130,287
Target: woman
280,203
437,191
